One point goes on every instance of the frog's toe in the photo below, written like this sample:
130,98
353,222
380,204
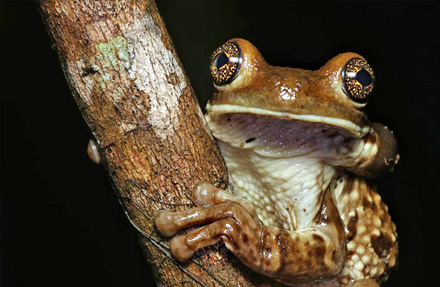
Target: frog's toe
165,223
93,152
180,249
206,194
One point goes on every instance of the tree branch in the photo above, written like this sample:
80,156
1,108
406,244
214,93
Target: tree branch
133,93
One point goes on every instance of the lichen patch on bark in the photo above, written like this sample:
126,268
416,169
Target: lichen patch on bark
111,56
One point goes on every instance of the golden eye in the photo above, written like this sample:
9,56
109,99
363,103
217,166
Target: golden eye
225,63
358,79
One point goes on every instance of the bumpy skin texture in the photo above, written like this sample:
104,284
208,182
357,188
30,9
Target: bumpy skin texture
297,150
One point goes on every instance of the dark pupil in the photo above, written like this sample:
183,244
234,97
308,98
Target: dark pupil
364,77
221,60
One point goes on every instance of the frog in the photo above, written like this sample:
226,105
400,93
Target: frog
301,153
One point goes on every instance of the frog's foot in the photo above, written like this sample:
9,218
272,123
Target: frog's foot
228,218
365,283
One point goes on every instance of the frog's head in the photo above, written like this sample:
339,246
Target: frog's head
333,95
279,111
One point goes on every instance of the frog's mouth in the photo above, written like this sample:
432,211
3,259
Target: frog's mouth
279,134
348,126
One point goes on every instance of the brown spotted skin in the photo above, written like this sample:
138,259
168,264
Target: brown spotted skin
298,149
370,234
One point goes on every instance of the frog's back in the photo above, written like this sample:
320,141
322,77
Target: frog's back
371,235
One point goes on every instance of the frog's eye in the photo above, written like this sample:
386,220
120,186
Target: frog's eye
225,63
358,79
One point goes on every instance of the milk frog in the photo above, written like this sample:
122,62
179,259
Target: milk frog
298,149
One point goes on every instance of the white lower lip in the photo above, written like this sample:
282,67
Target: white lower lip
344,124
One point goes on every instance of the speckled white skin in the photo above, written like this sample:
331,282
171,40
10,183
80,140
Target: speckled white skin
288,197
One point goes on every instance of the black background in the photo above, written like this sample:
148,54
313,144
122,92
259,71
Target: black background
61,223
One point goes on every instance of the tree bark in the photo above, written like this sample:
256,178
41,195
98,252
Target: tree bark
133,93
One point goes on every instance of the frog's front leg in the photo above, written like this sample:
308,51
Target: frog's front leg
312,253
225,213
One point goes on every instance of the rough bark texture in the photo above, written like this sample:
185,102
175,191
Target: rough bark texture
132,91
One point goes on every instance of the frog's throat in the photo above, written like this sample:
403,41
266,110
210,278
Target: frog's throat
352,128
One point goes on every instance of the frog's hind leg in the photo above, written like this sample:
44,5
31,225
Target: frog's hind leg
364,283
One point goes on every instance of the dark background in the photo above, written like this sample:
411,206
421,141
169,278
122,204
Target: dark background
61,224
